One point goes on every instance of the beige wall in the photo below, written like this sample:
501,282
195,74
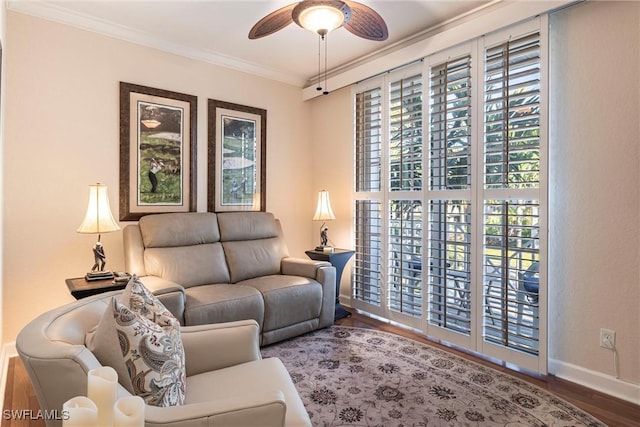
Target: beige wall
3,34
594,220
332,152
62,134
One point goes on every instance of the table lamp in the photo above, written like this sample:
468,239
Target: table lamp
323,213
98,220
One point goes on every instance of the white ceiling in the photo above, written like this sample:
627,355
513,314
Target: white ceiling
216,30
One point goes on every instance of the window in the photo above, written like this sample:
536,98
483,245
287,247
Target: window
448,218
405,259
450,98
368,262
405,134
512,114
368,133
449,185
512,166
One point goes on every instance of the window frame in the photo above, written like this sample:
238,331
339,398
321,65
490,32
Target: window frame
476,194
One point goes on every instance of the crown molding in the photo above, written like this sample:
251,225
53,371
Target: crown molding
494,16
52,12
491,16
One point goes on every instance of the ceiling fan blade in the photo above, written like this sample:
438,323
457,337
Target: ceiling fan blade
366,23
273,22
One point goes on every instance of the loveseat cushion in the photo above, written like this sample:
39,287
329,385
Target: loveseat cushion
179,229
195,265
253,244
288,300
253,258
221,303
236,226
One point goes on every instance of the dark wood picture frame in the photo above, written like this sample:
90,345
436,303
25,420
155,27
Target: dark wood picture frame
173,141
237,157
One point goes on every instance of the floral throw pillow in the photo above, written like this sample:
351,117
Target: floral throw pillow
140,300
148,356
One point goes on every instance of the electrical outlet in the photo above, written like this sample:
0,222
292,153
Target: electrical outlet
607,339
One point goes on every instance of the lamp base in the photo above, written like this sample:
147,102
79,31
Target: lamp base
98,275
325,249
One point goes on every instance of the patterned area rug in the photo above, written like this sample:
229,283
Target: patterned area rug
360,377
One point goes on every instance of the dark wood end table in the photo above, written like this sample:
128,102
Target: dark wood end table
338,258
81,288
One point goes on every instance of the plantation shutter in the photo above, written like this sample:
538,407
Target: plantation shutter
405,152
368,263
449,218
511,212
450,265
449,160
511,265
405,134
512,114
368,140
405,257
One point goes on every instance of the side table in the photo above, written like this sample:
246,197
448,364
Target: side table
338,258
80,288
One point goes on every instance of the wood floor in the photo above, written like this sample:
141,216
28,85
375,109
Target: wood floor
19,394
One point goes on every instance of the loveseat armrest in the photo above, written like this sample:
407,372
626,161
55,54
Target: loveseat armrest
325,274
327,278
292,266
220,345
160,286
264,409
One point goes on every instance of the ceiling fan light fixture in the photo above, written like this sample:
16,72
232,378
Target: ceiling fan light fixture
322,18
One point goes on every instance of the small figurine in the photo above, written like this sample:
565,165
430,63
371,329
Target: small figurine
323,237
99,257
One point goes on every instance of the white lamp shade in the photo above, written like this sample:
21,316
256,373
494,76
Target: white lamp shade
321,17
98,218
323,210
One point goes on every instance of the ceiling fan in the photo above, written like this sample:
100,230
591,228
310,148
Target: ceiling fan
323,16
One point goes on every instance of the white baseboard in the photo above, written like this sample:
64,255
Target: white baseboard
596,381
8,351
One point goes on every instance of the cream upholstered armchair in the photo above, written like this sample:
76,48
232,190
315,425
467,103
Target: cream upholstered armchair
228,382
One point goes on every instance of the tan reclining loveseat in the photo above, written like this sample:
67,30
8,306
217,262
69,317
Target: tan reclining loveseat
221,267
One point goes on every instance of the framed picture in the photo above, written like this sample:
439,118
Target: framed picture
157,151
237,157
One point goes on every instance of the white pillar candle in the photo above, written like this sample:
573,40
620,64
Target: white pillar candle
79,412
129,412
101,388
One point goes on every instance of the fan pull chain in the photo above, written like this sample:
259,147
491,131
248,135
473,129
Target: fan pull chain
319,88
326,44
323,38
